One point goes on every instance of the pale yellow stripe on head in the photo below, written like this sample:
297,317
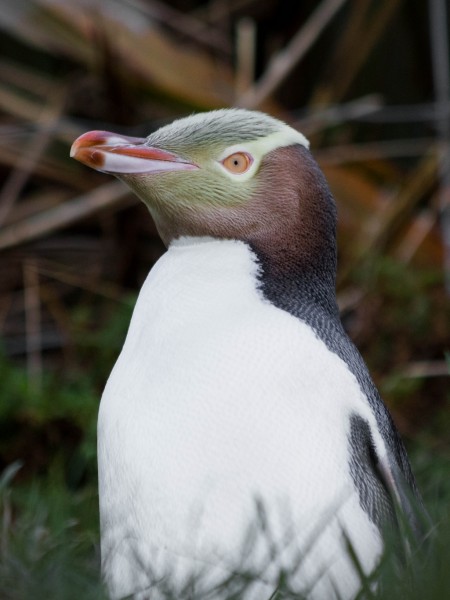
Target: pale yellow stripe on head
285,136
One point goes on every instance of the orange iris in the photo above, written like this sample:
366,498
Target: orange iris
237,163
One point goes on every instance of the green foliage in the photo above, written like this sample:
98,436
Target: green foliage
405,293
53,397
49,422
49,540
54,419
49,546
99,332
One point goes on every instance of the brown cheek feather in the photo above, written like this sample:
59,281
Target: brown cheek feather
290,219
302,227
297,250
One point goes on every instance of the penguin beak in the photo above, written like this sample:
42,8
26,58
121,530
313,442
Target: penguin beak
120,154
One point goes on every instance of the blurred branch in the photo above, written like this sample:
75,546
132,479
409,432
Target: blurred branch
370,34
368,109
337,155
421,369
185,24
59,273
15,104
395,216
32,305
400,207
245,54
218,11
109,196
405,113
419,230
319,118
54,168
284,61
441,75
30,155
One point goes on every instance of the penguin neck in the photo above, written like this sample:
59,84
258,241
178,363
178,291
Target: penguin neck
218,261
298,289
296,242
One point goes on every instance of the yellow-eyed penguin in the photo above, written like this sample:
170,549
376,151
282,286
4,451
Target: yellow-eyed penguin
238,398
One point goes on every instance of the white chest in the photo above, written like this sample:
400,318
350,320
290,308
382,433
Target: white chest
218,401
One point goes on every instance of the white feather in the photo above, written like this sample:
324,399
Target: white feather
219,400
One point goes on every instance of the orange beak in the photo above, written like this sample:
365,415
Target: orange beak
119,154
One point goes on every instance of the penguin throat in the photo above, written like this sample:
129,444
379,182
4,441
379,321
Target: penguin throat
299,290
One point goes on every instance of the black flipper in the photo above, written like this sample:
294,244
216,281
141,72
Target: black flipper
374,495
384,493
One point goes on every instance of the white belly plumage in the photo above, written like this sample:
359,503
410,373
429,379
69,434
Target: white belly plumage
224,412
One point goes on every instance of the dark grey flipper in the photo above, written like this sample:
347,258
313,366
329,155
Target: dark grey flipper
374,495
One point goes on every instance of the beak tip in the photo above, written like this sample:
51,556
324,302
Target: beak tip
87,149
119,155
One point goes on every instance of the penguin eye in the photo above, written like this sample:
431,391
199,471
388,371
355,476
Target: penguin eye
237,163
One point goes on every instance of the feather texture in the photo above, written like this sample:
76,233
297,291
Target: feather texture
219,400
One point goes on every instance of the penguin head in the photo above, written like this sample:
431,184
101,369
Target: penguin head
230,173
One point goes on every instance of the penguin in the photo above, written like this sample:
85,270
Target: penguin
240,430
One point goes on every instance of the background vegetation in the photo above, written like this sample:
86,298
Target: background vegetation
366,81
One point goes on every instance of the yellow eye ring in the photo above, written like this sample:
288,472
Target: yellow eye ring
237,163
